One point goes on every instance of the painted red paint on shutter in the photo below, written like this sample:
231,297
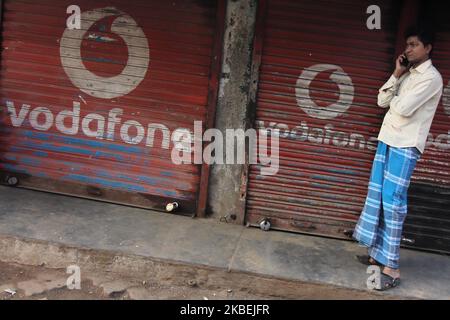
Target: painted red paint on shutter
165,80
325,163
325,159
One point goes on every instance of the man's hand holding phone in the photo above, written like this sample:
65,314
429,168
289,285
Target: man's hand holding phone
401,65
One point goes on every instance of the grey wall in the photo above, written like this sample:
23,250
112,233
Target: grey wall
224,197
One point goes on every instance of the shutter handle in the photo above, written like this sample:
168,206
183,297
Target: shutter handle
408,241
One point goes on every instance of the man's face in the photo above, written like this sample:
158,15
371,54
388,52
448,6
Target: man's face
416,51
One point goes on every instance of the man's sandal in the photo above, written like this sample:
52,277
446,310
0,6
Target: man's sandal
365,260
387,282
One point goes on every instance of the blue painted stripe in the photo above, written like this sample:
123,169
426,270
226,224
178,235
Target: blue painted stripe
167,193
107,155
167,173
36,135
76,166
342,171
30,161
10,158
82,142
40,154
40,174
52,147
139,179
15,149
15,168
68,149
321,186
330,178
104,60
92,180
105,183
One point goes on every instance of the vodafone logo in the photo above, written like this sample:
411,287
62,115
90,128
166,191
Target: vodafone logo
106,87
343,81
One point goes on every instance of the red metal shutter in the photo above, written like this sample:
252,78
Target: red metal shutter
320,72
428,220
141,70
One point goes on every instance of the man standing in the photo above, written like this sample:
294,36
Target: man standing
412,95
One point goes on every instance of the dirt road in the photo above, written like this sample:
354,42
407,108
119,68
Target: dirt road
18,282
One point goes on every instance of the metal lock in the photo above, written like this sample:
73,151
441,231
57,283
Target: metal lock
265,224
12,181
171,206
349,233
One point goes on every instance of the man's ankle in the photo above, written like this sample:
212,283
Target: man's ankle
395,273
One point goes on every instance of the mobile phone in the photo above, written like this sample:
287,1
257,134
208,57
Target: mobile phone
405,61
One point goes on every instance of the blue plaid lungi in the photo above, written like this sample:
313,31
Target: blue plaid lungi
381,222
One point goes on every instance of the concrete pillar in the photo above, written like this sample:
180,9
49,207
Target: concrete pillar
224,197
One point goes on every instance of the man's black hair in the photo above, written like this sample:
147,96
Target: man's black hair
423,33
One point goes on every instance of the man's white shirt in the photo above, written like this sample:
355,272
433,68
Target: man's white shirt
412,101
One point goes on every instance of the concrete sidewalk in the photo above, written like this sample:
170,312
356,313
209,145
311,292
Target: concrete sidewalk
41,218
